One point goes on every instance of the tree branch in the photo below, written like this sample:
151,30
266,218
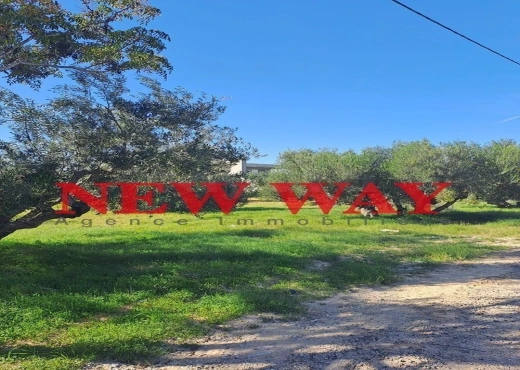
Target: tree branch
36,217
446,205
83,69
29,39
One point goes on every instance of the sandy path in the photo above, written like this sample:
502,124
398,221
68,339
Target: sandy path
460,316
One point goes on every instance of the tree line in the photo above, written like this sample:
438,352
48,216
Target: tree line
487,172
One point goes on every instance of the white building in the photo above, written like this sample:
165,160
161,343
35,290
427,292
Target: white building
245,167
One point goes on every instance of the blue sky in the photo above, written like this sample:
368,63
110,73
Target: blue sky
346,74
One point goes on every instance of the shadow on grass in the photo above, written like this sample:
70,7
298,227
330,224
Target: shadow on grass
253,233
460,217
430,333
126,350
247,208
122,299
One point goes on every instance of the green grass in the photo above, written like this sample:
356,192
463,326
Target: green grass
71,294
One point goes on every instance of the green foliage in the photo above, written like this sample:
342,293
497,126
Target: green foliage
416,161
258,183
490,172
95,132
39,38
503,187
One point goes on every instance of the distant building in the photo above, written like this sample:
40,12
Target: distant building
246,167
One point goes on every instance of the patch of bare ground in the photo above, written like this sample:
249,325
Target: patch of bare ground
460,316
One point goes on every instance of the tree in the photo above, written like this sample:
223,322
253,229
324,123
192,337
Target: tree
330,166
91,133
465,166
40,38
325,165
414,161
503,185
490,172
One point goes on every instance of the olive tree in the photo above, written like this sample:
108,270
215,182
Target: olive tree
94,131
489,172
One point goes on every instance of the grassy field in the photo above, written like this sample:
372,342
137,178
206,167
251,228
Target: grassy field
105,287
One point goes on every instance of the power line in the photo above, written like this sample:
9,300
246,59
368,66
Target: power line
455,32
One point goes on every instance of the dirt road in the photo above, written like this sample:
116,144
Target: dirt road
460,316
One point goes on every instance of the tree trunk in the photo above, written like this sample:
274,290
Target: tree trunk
36,217
446,205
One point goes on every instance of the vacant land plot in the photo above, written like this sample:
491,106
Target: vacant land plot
129,291
460,316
